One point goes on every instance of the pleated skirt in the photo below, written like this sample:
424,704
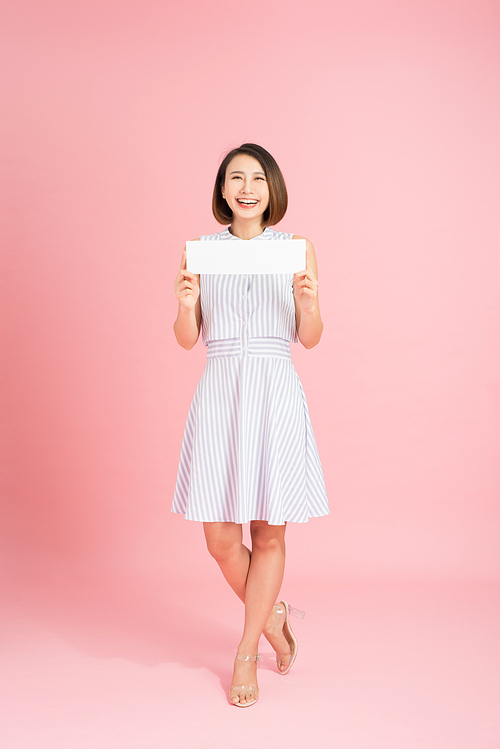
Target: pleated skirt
248,451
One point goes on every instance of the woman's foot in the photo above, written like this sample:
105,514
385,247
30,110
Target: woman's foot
274,634
244,690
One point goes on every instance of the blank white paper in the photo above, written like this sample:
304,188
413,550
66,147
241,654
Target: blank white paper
246,256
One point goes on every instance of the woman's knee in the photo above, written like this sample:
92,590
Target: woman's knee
223,540
268,538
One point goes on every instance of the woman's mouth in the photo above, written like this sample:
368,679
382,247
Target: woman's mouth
246,202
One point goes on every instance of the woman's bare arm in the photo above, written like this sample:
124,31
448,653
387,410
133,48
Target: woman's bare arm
305,290
187,291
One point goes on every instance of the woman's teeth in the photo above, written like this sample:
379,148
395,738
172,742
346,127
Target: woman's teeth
247,202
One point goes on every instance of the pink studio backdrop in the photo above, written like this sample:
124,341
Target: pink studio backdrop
385,118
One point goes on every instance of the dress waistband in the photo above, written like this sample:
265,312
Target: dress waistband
269,347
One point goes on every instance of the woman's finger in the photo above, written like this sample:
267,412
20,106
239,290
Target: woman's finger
310,280
179,280
307,288
187,274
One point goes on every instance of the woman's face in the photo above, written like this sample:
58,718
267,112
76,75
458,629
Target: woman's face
245,188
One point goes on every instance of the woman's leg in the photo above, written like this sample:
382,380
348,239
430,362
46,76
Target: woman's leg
256,578
265,576
225,544
264,579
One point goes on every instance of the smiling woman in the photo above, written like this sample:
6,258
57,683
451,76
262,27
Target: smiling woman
253,163
245,186
249,453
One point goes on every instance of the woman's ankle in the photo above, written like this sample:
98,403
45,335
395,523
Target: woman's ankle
248,647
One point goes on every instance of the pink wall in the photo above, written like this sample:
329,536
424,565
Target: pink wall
385,118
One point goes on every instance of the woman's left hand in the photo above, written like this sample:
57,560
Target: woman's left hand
305,287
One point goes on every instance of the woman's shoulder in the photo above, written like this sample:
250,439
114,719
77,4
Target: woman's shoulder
308,242
273,234
225,234
286,235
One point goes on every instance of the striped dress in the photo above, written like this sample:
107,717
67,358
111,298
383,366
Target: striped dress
248,451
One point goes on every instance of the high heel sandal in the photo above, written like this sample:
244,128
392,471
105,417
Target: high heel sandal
248,688
282,612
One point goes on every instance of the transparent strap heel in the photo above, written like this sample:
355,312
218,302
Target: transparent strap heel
282,612
250,689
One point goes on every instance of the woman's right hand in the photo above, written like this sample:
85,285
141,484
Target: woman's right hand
187,286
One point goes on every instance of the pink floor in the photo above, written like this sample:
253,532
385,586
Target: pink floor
380,665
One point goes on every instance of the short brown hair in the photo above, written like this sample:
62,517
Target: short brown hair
278,196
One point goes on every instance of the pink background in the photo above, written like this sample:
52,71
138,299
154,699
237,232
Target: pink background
384,117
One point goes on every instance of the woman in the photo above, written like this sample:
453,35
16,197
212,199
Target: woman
248,453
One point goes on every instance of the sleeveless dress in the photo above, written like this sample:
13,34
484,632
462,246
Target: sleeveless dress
248,451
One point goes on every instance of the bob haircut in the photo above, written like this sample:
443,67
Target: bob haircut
278,196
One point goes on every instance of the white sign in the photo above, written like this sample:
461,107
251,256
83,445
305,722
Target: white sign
246,256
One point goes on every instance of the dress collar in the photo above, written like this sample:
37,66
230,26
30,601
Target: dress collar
226,234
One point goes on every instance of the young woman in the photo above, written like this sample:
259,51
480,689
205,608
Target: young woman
249,453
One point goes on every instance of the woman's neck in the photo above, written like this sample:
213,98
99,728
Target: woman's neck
244,230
